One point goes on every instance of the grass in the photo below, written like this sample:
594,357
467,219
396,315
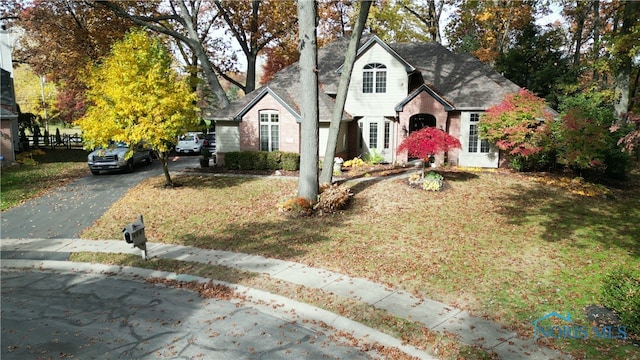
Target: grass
499,245
505,246
57,167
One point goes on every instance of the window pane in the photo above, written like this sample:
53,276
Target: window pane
381,81
275,137
274,117
473,138
387,134
367,82
264,137
373,135
484,146
475,117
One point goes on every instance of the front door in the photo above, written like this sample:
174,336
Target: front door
376,134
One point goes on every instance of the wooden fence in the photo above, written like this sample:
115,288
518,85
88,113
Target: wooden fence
66,141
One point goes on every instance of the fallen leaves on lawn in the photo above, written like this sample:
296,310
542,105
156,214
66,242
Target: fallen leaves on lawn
575,185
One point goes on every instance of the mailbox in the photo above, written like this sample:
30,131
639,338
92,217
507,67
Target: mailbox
134,234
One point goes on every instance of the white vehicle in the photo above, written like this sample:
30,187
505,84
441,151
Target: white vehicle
190,143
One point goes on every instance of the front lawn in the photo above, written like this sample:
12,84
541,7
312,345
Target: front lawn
51,169
498,244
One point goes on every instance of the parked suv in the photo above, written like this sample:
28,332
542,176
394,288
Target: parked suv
113,158
190,143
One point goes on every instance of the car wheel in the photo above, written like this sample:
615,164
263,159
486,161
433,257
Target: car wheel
129,166
148,160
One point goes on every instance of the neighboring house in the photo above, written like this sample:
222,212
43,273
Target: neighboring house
395,89
8,107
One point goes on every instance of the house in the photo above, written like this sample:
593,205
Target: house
395,89
8,107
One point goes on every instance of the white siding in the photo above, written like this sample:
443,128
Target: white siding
324,135
477,159
227,136
379,104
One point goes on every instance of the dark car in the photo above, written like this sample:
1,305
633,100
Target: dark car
210,142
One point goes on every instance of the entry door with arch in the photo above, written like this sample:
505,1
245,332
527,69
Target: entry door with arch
419,121
376,134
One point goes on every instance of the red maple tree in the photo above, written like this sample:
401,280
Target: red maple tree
428,142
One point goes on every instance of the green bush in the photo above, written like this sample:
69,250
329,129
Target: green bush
617,164
245,160
261,160
273,160
290,161
621,293
231,160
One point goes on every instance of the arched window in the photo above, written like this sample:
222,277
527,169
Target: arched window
374,78
269,131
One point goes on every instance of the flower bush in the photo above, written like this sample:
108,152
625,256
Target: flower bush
354,163
432,181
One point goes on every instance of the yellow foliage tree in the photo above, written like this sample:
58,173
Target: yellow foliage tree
135,97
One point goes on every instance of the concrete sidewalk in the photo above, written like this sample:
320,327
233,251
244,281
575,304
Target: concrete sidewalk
433,315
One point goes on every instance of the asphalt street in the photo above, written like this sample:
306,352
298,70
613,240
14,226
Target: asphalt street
87,316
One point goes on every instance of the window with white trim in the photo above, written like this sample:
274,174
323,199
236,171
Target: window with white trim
373,135
374,78
475,142
387,134
269,131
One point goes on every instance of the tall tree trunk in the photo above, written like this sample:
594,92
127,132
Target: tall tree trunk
596,37
341,97
580,19
623,76
308,46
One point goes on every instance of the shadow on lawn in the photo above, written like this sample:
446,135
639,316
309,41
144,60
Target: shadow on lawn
611,222
284,238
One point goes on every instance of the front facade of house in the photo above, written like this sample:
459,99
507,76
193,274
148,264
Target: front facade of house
394,90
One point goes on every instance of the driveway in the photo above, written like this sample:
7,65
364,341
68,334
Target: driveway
64,212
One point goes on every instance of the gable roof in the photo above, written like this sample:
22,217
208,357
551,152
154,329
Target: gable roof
261,93
458,81
428,90
376,40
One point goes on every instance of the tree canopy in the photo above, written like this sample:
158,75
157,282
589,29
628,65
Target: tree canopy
136,97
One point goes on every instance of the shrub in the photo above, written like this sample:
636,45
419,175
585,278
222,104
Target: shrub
621,293
290,161
231,160
332,198
260,160
374,157
432,181
245,160
354,163
296,206
617,163
273,160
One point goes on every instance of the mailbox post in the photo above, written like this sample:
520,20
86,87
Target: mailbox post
134,234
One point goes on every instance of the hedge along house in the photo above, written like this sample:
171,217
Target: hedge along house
394,90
